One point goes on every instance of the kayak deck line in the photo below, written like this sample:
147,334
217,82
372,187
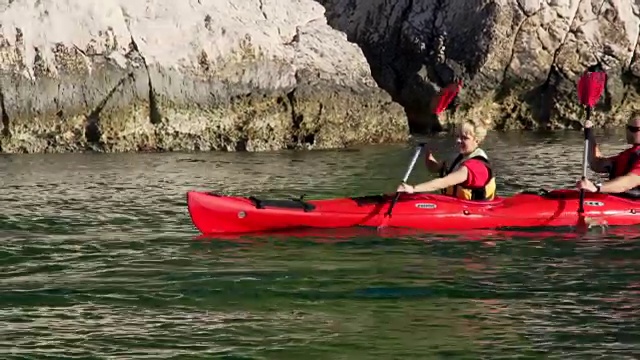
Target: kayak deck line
214,213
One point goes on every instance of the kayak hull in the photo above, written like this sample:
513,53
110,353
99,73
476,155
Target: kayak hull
213,213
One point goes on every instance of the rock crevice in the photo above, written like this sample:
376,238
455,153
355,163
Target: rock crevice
5,116
155,117
261,2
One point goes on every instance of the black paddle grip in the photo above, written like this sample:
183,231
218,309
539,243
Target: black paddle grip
393,203
588,134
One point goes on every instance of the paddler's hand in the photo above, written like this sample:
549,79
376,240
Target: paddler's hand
588,124
587,185
431,158
432,164
405,188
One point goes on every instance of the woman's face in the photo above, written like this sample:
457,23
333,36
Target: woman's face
466,142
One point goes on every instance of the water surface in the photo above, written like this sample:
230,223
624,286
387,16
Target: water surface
99,259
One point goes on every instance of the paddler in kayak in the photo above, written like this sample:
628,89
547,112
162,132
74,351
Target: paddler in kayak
469,177
623,169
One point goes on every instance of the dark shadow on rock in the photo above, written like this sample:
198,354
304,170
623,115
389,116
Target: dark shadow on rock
534,105
403,57
6,132
411,82
629,82
606,103
541,99
406,87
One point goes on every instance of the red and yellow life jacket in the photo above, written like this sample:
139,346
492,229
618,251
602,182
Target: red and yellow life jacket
621,166
486,192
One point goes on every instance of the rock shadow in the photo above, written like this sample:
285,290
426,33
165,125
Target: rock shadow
409,52
538,107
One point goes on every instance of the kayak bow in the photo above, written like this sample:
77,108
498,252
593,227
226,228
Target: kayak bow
213,213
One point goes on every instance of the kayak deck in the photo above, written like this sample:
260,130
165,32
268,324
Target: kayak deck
215,213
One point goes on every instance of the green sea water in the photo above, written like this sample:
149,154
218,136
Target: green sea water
99,260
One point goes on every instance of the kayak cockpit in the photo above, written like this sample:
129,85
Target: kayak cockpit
282,203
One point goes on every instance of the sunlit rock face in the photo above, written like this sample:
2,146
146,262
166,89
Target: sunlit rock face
136,75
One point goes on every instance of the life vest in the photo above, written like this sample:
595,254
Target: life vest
621,167
486,192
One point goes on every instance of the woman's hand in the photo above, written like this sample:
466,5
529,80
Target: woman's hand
431,158
405,188
432,164
587,185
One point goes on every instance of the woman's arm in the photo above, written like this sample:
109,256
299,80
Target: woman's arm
597,162
615,186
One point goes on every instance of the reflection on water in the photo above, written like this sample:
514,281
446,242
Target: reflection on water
98,258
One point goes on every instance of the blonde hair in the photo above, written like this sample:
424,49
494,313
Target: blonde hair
478,131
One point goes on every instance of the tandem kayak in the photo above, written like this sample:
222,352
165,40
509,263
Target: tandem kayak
213,213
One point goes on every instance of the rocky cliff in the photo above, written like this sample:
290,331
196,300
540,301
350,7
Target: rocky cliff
129,75
519,59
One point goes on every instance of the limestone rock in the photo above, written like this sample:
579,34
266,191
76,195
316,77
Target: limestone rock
520,59
116,75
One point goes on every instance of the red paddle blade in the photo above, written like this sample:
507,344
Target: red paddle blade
590,87
446,95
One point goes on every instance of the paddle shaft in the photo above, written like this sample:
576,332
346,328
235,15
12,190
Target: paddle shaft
585,160
406,177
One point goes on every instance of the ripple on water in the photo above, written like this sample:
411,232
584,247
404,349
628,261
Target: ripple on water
98,259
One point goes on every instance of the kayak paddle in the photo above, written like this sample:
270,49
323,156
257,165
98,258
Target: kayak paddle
590,88
404,181
442,100
446,95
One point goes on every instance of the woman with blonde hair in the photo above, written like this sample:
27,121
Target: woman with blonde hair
470,176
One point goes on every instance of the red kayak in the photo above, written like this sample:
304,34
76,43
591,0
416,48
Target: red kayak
214,213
